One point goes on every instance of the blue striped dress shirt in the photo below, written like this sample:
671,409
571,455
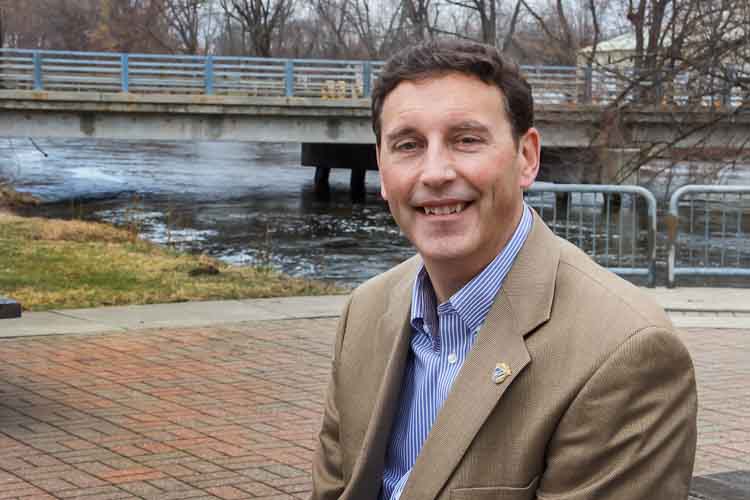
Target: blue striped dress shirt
442,336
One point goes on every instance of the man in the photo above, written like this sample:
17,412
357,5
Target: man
501,362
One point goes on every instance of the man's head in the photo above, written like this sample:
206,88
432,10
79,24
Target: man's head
484,62
453,163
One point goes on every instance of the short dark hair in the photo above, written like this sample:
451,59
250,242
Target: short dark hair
438,57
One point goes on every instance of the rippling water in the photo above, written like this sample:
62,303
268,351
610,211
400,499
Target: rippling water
244,203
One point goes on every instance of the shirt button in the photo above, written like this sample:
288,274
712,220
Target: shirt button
452,358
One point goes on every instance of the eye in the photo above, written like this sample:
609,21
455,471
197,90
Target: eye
469,140
406,145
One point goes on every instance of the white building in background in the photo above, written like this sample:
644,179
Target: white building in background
721,82
615,51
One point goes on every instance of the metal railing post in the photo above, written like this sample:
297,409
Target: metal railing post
124,73
367,78
37,58
208,75
588,84
289,78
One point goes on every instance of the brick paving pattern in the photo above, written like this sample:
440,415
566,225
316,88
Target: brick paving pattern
231,412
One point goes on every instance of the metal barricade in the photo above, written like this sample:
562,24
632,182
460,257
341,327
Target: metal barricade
614,225
708,227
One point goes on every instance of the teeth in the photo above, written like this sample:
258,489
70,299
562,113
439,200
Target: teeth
445,209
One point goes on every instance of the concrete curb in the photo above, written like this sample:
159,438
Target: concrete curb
687,307
182,314
723,486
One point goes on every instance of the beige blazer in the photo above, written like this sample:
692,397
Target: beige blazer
600,403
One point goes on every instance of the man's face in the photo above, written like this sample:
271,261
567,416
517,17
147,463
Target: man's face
450,169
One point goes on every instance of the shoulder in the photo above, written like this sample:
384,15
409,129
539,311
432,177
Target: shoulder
379,291
603,294
596,315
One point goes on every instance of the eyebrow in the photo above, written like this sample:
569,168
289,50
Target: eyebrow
469,125
463,126
400,132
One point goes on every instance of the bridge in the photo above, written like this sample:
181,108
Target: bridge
325,105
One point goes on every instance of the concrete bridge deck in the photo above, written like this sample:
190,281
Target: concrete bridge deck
30,113
207,401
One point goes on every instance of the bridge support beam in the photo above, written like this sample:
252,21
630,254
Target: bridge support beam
359,158
322,186
357,185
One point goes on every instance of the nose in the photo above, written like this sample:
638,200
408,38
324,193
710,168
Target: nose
438,167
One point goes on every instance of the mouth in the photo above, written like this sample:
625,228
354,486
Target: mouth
438,210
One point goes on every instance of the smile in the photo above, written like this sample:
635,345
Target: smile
444,209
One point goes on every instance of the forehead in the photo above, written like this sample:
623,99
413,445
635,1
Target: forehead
443,98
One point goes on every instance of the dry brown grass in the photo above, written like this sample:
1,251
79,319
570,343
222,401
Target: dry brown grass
76,230
49,263
39,228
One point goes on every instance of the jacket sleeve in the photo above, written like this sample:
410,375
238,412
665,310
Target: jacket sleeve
327,474
631,430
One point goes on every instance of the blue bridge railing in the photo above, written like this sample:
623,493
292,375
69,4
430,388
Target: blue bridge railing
51,70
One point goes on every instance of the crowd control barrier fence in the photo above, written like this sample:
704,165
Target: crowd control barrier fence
707,230
614,225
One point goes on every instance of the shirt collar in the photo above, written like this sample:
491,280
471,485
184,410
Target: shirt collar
473,301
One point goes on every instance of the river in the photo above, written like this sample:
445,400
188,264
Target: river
245,203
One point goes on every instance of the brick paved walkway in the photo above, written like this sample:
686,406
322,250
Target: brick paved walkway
230,412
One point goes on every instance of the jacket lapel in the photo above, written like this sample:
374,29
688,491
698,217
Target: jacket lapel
394,329
523,304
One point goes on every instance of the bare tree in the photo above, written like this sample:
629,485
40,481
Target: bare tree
262,22
335,40
486,10
421,16
380,27
688,59
184,20
512,25
72,24
567,26
358,28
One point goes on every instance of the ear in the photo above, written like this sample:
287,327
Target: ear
528,155
383,191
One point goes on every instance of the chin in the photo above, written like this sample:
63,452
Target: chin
444,253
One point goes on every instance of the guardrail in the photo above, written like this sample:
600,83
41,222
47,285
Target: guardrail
176,74
708,228
614,225
24,69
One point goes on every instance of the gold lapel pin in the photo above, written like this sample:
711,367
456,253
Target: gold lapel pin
502,371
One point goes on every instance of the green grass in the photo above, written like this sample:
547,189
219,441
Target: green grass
51,264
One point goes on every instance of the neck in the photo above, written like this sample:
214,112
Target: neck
448,276
447,284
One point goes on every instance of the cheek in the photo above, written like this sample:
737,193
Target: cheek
396,185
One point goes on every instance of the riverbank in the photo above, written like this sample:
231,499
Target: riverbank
9,197
53,264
